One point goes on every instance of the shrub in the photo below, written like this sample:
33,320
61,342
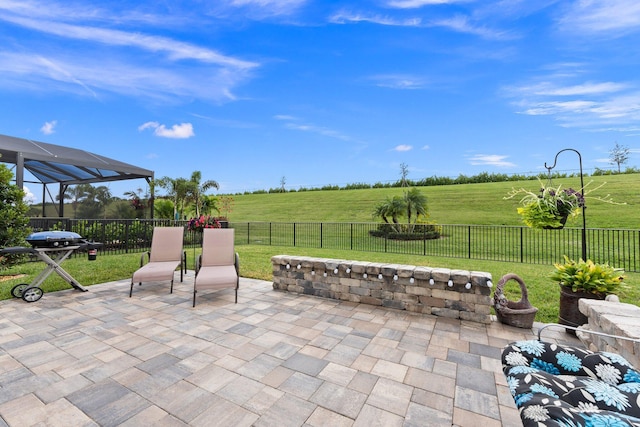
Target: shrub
420,232
14,223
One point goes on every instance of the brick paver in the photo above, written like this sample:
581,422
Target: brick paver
101,358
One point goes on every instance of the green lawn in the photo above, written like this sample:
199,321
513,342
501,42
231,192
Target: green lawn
481,204
256,263
453,204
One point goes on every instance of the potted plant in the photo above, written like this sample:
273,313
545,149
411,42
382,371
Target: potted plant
583,279
550,207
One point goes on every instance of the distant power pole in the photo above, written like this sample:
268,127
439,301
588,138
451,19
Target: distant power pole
283,182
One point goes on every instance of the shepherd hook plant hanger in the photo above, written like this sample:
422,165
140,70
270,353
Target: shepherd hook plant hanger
584,218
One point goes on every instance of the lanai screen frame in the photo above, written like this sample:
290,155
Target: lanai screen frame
51,164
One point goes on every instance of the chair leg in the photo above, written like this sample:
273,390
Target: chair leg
236,295
183,265
194,297
171,291
131,289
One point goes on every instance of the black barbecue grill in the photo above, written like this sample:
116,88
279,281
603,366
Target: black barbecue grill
52,248
53,239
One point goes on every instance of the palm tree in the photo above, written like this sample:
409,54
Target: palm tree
197,190
209,204
103,196
393,207
76,194
164,209
177,190
415,202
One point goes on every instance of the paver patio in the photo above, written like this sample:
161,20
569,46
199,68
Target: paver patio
272,359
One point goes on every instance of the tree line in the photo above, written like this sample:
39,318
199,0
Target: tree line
183,198
482,177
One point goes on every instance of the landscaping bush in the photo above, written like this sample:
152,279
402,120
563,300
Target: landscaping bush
401,232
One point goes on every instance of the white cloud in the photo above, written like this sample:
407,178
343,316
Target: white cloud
78,74
293,124
48,127
589,105
348,17
459,23
318,130
588,88
616,17
284,117
546,108
621,110
490,159
29,198
412,4
148,125
403,147
143,62
462,24
425,147
181,131
175,50
267,8
399,81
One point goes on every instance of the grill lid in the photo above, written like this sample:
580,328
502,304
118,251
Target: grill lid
53,239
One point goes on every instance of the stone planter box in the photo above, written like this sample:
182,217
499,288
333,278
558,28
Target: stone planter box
458,294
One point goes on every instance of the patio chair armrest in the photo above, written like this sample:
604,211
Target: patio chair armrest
148,254
198,263
237,264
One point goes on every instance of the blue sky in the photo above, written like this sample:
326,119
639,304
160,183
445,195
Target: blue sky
324,92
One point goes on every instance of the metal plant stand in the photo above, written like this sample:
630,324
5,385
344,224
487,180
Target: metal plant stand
584,218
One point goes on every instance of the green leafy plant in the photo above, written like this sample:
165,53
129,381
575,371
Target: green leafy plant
550,207
587,276
14,223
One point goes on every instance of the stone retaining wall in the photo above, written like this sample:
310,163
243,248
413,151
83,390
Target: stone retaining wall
457,294
613,318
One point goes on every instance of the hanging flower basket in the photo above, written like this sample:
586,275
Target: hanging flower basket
551,207
562,220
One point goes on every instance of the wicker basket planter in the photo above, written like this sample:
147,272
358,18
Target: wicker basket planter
520,313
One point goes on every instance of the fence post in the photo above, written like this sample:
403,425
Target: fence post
126,238
351,236
424,240
521,244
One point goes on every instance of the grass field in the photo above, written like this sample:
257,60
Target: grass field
456,204
256,263
448,204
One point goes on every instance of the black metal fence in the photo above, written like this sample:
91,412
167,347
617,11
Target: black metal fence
620,248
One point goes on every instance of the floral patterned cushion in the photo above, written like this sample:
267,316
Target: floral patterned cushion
555,385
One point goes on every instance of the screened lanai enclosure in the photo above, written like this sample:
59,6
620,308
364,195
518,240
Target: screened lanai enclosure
55,165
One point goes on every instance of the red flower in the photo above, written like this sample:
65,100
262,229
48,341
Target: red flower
199,224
